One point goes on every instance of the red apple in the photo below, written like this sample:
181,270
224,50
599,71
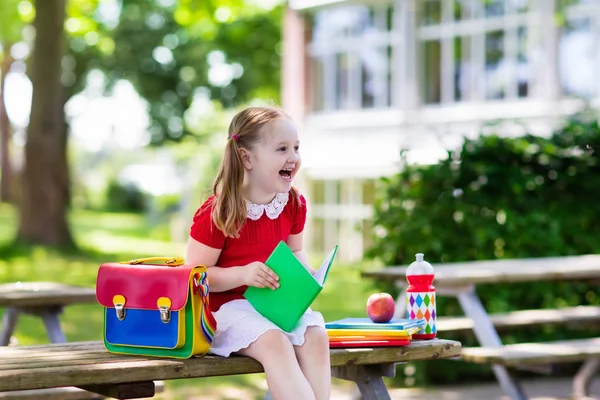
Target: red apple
381,307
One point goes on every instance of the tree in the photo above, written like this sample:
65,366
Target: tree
44,198
10,32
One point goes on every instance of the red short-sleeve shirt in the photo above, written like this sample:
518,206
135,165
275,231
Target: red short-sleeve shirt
257,240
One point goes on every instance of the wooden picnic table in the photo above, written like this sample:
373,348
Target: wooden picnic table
460,274
42,299
459,280
90,366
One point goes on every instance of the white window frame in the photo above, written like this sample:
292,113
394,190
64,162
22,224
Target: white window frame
328,51
476,27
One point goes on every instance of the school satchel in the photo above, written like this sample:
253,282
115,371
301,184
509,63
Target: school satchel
155,307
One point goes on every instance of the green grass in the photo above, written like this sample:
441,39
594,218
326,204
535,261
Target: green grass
104,237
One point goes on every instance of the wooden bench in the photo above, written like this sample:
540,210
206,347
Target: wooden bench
513,355
45,300
89,366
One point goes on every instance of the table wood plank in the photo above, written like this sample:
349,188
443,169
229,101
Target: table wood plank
90,363
509,270
44,294
578,316
534,353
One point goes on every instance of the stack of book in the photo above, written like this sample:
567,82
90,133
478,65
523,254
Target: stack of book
362,332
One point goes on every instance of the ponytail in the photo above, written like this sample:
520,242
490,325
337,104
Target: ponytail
229,212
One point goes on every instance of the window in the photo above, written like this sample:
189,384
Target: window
578,47
317,192
369,191
325,191
317,234
350,55
473,49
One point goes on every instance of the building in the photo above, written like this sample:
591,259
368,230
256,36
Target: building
367,78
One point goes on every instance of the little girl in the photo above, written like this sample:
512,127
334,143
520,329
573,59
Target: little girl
253,208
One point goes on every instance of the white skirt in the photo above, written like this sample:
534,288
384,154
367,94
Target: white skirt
239,325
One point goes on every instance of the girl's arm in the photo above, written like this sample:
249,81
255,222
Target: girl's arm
295,243
223,279
220,279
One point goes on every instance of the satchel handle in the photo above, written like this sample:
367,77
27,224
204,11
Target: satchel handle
171,261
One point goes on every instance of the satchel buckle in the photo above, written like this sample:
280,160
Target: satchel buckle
165,314
119,303
164,306
120,309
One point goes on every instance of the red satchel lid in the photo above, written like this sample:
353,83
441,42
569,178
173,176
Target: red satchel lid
142,285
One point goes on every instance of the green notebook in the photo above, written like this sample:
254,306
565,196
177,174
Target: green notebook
298,288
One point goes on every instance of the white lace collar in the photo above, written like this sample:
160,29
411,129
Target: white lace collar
273,209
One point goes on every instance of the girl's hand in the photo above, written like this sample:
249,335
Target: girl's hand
259,275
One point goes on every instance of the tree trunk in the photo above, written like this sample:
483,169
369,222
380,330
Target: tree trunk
6,171
43,211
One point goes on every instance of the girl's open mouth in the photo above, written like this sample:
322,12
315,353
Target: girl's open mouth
286,174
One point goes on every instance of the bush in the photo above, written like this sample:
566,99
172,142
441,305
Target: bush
124,198
499,198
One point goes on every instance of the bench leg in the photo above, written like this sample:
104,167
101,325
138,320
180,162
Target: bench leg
368,378
52,323
583,378
9,323
487,336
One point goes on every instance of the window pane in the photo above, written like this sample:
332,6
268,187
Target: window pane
576,58
390,63
432,72
368,86
317,192
369,191
462,68
318,234
317,84
342,93
494,8
338,191
389,18
431,13
495,65
523,65
374,75
461,10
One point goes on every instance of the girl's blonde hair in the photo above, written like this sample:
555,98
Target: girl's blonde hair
229,206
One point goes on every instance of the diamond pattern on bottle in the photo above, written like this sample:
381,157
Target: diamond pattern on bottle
421,305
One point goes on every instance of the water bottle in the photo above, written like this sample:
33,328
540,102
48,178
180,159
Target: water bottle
420,297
